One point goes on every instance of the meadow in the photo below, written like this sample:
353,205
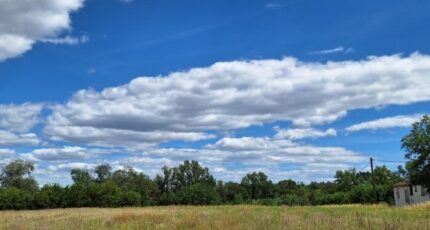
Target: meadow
223,217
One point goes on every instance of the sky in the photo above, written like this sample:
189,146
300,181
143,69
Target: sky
295,89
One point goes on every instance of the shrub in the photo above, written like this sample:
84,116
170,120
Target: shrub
131,198
13,198
199,194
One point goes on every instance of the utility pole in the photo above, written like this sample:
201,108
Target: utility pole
375,195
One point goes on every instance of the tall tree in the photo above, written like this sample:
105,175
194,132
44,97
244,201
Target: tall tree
103,172
81,176
130,180
190,173
257,185
417,146
17,174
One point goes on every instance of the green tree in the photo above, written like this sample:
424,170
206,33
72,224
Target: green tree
184,175
200,194
130,198
417,147
14,198
175,183
50,196
109,195
284,187
81,176
103,172
257,185
17,174
232,192
164,182
190,173
346,179
130,180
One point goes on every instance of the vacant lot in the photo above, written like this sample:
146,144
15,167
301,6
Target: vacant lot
223,217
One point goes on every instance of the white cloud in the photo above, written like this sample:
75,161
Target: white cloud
13,45
68,40
24,22
231,95
296,134
66,153
19,118
275,151
339,49
247,154
11,139
70,166
6,152
129,139
384,123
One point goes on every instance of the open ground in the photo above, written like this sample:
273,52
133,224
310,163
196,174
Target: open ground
223,217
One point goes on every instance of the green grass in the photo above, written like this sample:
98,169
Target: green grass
223,217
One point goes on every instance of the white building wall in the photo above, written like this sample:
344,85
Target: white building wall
418,195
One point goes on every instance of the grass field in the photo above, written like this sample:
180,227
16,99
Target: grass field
223,217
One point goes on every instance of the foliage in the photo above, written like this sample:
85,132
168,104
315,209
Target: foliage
17,174
189,184
231,192
417,146
14,198
257,186
200,194
103,172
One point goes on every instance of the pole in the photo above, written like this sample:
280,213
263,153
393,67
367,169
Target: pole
373,181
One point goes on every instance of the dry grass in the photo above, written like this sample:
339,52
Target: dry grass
223,217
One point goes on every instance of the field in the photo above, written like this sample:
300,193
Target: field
223,217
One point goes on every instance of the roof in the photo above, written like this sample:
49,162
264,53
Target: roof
402,184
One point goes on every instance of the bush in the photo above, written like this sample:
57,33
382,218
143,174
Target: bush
200,194
362,193
267,201
292,199
109,195
50,196
131,198
168,198
77,196
13,198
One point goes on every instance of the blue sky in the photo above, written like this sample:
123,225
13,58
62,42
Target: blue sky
297,89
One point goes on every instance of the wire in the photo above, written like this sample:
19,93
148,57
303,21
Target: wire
390,161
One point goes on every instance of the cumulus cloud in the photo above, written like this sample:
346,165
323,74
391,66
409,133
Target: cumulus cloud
275,151
384,123
231,95
24,22
129,139
247,154
68,166
11,139
66,153
19,118
296,134
268,154
6,155
6,152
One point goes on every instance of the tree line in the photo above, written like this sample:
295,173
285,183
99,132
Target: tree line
186,184
191,184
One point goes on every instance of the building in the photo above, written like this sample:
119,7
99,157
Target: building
406,193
